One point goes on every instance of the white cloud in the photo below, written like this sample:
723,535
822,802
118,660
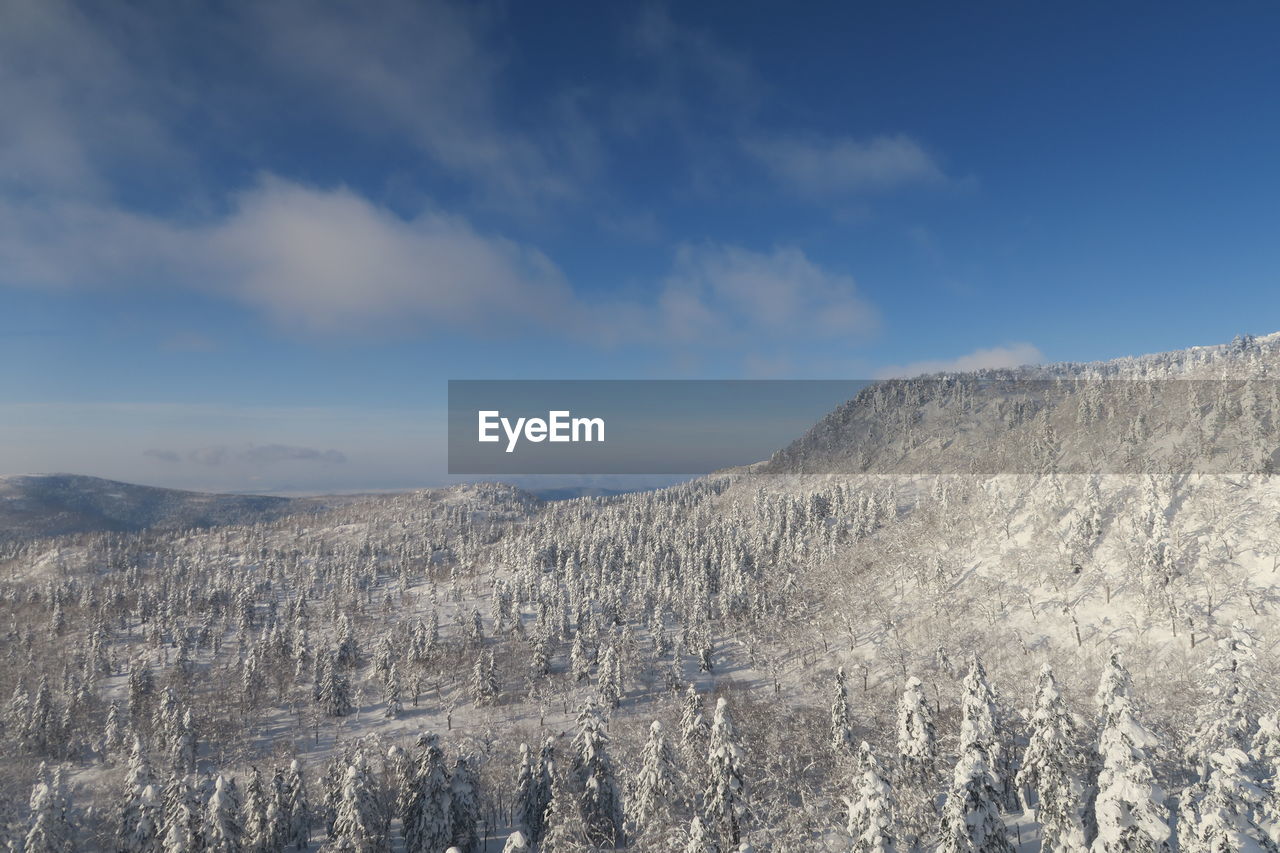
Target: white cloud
717,293
429,71
74,104
323,260
823,166
330,261
1010,355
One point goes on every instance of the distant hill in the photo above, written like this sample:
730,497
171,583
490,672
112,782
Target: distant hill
57,504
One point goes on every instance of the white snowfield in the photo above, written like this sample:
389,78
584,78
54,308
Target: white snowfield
1034,654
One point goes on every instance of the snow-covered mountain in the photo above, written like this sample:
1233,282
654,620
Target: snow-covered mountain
58,504
1046,600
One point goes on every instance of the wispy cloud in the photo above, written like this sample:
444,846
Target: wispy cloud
1010,355
718,293
430,72
831,166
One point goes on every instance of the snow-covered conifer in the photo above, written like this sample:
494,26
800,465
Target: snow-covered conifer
724,800
841,727
1129,807
1053,769
222,830
870,822
656,786
971,817
428,819
601,803
49,830
464,804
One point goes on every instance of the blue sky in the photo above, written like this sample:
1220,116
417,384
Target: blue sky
237,226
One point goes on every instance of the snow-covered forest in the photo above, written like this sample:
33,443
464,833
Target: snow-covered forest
1018,620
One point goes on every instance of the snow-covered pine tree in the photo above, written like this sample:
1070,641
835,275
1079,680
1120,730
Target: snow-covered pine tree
527,806
608,678
870,822
484,679
916,786
138,778
183,816
724,801
253,814
700,839
49,830
182,752
428,820
693,725
601,803
391,692
917,738
146,832
222,832
1228,815
113,731
1224,721
841,727
971,817
978,717
656,792
276,836
464,803
1129,807
1053,770
335,689
564,831
358,824
297,810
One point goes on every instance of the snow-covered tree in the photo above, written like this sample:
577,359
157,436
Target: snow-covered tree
148,831
517,842
656,791
979,715
1129,807
428,819
693,725
601,805
529,799
465,805
358,824
484,679
564,830
222,831
971,820
700,839
1227,820
724,800
1224,721
1053,770
183,816
917,738
870,821
49,830
841,727
297,811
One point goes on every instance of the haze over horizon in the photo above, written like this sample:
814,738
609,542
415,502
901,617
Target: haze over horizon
243,248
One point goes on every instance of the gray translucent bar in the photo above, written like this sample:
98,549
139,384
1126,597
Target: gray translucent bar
962,425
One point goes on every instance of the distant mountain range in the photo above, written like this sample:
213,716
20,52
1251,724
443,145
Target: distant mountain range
58,504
